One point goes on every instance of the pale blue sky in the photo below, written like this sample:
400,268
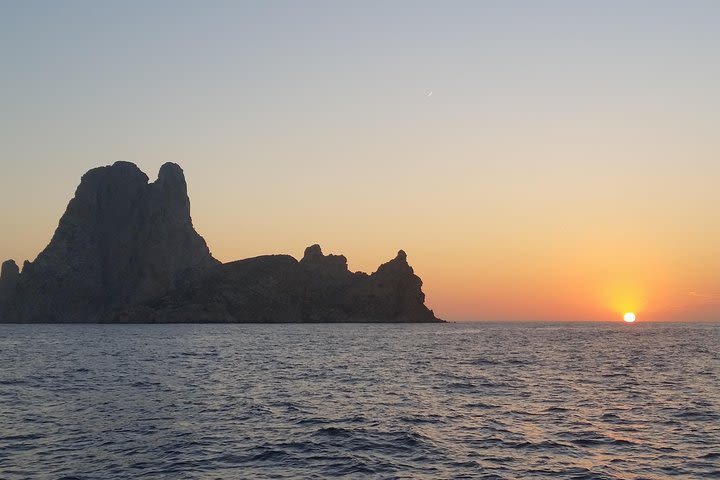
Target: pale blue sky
304,122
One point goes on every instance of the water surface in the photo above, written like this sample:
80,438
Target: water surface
364,401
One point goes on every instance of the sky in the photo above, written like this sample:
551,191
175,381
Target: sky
537,160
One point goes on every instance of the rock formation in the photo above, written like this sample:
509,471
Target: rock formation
121,241
126,251
279,289
9,275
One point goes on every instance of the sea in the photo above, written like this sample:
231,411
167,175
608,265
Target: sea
415,401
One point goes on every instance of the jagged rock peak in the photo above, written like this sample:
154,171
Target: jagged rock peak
171,169
315,261
9,277
313,252
107,188
169,193
397,266
171,176
9,271
118,171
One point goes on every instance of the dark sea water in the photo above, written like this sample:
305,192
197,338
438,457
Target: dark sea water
360,401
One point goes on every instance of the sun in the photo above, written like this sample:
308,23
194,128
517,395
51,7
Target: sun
629,317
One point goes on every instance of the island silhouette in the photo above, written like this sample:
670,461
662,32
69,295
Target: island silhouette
126,251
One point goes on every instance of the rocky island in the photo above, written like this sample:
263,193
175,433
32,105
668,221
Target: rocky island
125,250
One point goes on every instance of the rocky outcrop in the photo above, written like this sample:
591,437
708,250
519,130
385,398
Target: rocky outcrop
9,275
126,251
315,262
279,289
120,242
394,291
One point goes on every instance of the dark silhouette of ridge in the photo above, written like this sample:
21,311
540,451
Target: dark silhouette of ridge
126,251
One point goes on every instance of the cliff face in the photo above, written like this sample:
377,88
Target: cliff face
126,250
121,241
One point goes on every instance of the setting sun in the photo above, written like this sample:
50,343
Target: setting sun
629,317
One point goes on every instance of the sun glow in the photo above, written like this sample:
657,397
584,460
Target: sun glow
629,317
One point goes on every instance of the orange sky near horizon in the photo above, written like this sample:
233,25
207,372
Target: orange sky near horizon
528,268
